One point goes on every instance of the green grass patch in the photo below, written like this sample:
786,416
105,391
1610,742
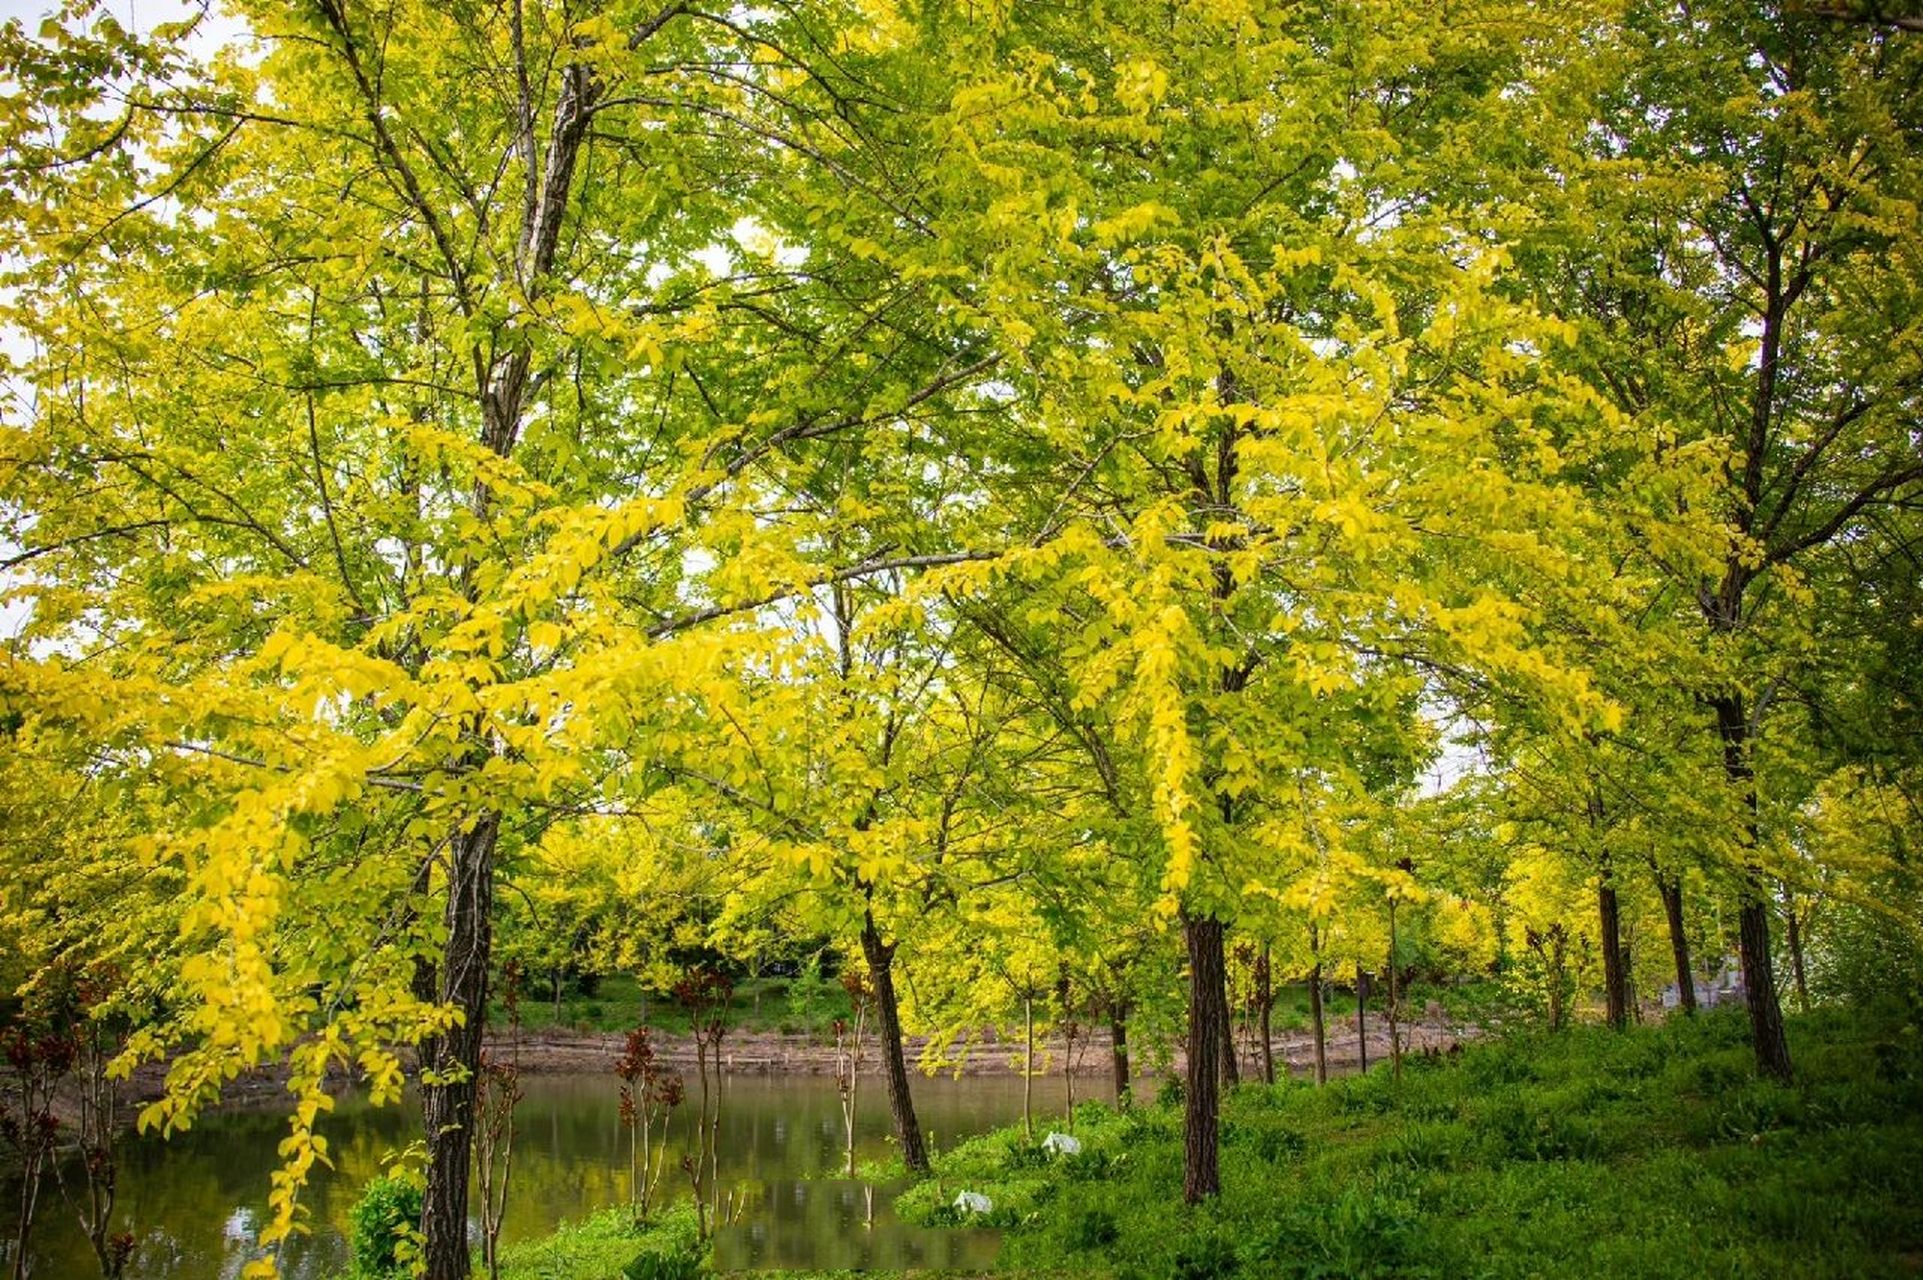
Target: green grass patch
1652,1153
610,1246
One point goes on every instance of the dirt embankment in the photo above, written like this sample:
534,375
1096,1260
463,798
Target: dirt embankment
550,1052
775,1053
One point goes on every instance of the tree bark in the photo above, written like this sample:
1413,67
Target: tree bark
1118,1049
1395,1034
1796,954
1615,986
901,1104
1320,1030
1672,891
1759,972
1265,999
1028,1067
447,1097
1362,1017
1201,1172
1225,1022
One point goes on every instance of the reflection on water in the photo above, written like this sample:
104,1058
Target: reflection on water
843,1225
195,1202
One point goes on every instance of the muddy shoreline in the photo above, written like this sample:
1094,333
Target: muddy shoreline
589,1053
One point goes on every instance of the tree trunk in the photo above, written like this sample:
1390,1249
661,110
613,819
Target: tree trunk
1362,1017
1672,891
1759,971
1118,1049
1395,996
447,1107
1759,982
1557,945
1615,984
881,967
1265,998
1317,1025
1315,1020
1028,1067
1225,1022
1201,1173
1796,954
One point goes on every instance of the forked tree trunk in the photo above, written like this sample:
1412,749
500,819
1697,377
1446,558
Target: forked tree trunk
1759,970
901,1104
1201,1173
1672,891
454,1058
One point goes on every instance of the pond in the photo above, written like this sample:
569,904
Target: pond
195,1202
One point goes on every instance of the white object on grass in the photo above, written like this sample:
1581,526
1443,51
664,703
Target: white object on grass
973,1202
1062,1144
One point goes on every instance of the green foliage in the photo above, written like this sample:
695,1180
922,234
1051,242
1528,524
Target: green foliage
609,1245
384,1228
1657,1152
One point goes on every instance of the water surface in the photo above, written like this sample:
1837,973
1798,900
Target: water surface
195,1202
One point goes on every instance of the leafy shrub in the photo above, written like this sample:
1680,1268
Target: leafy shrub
1370,1233
1092,1229
1277,1145
384,1229
1204,1255
1087,1165
1423,1146
1759,1109
677,1262
1517,1130
1022,1156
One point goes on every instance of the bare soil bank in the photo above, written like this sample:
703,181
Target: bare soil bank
775,1053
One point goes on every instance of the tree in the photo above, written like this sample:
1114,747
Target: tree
398,440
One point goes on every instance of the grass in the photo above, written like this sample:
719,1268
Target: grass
1654,1153
608,1245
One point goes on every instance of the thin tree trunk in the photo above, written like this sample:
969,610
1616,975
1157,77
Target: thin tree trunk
881,962
1557,945
1068,1074
1317,1025
1796,954
1395,1038
1362,1017
1201,1172
1225,1024
448,1106
1615,982
1321,1031
1672,891
1028,1066
1118,1050
1265,998
1759,971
